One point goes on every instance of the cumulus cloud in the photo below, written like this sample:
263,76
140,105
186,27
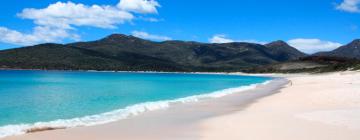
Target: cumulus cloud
57,21
64,15
349,6
220,38
40,34
139,6
145,35
311,46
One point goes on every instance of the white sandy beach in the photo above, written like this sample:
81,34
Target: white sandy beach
311,107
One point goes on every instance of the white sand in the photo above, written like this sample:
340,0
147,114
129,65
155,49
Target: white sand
314,107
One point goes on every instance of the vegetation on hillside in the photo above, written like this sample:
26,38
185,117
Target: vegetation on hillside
311,64
351,50
128,53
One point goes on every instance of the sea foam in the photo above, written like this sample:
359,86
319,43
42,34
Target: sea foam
130,111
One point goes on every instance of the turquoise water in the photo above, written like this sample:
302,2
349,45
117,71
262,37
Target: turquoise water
27,97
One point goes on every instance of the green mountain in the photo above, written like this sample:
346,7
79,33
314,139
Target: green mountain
344,58
351,50
283,51
128,53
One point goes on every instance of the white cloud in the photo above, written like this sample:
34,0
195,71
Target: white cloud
351,6
145,35
220,38
139,6
64,15
253,41
57,21
311,46
40,34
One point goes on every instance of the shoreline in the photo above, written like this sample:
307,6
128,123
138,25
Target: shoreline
275,84
9,69
97,71
274,75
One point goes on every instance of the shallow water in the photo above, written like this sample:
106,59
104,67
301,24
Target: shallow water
69,99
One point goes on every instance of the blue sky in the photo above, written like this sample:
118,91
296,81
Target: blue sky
308,25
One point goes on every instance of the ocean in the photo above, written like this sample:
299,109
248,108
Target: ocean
59,99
